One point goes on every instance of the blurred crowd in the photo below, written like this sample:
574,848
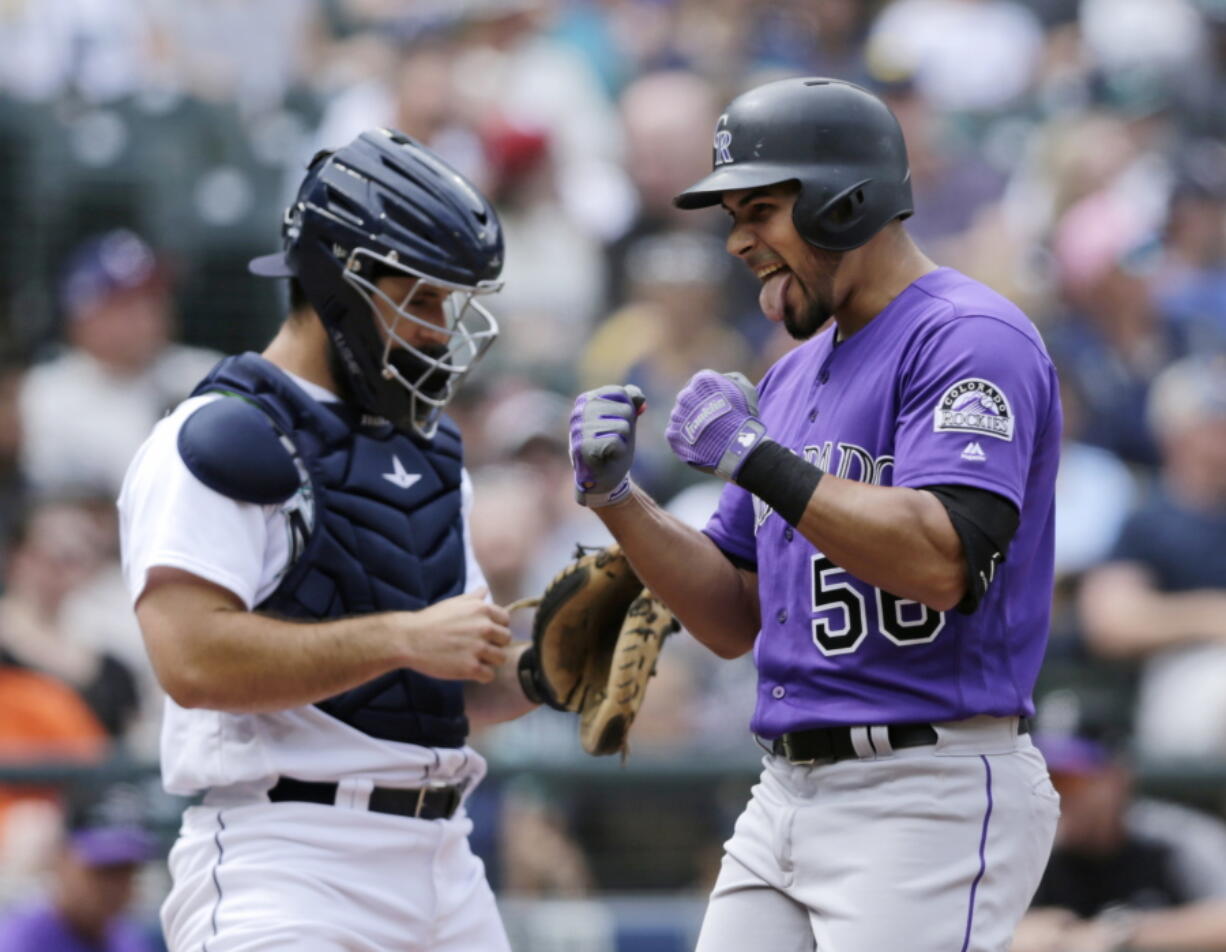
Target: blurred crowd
1067,152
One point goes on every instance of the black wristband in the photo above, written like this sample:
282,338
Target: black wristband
532,680
780,478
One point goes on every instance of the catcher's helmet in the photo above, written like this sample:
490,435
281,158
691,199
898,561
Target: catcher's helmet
840,142
386,205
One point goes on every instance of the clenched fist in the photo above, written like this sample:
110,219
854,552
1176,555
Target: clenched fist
602,443
463,638
714,425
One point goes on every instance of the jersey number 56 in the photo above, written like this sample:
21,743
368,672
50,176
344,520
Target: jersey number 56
835,599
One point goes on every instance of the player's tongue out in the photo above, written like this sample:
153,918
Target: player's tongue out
772,296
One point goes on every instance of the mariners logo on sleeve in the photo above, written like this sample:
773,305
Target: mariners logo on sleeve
974,405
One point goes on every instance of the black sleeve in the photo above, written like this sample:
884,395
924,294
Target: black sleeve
986,523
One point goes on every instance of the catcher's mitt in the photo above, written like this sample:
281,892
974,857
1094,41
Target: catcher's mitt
595,640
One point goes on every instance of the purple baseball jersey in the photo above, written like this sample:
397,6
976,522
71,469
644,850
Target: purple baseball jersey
949,384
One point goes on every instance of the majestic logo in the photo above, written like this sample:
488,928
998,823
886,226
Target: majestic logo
723,143
399,476
974,452
974,405
713,409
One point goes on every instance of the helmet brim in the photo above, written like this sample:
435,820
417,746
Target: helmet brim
271,266
729,178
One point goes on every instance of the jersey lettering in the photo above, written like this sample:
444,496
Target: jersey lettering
842,619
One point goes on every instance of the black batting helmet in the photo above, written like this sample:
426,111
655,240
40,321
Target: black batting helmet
838,141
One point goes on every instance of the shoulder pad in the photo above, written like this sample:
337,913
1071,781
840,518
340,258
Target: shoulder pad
230,446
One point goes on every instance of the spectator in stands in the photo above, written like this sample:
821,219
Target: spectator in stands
554,270
1112,341
512,69
676,323
406,83
84,413
13,488
97,615
92,50
1161,596
967,55
1190,283
1095,492
538,852
527,429
42,720
951,181
92,888
662,115
1126,872
840,27
56,550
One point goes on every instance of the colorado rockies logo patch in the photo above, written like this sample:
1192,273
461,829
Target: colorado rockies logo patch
974,405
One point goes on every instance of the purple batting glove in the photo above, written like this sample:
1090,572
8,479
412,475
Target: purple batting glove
714,424
602,443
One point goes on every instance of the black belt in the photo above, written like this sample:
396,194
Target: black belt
831,744
424,803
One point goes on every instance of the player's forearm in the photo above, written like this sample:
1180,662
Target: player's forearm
899,540
713,600
502,699
1125,616
232,660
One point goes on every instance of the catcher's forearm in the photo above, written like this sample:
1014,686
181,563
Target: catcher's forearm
501,699
716,602
208,652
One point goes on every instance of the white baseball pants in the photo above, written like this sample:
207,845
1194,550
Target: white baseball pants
928,849
301,876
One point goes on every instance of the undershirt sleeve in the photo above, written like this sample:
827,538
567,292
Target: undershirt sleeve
986,523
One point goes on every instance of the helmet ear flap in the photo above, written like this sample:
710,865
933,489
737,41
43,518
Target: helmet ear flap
836,224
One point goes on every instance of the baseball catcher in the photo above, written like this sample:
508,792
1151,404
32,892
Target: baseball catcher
595,640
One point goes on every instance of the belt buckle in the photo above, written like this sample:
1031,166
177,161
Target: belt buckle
422,791
790,756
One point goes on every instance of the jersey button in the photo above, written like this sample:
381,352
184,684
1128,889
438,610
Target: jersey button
812,415
777,691
782,616
823,376
788,533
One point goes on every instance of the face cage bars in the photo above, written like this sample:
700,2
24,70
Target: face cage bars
470,327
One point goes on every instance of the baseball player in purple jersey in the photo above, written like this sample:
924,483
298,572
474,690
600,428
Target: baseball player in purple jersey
884,548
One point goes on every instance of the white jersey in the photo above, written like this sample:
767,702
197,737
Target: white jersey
169,518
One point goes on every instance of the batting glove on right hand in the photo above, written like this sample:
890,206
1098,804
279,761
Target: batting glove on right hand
714,425
602,443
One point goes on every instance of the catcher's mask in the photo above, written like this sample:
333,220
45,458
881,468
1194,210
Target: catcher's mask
839,142
384,205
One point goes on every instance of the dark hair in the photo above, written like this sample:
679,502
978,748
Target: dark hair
297,297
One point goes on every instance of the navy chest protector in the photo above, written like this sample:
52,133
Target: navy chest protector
374,516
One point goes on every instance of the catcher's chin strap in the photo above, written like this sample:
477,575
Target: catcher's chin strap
531,678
